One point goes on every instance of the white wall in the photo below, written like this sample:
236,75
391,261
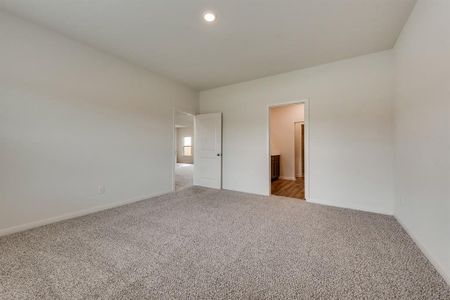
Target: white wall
184,119
183,132
422,130
282,136
73,118
351,147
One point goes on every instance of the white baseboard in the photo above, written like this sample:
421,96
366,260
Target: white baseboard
286,178
356,207
23,227
424,250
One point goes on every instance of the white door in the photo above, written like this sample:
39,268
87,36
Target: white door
208,150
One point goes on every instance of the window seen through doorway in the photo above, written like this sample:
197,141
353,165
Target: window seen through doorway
187,146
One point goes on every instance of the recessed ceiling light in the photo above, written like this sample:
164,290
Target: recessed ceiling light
209,16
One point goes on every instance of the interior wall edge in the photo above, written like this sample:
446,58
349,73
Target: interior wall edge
352,207
434,261
73,215
422,68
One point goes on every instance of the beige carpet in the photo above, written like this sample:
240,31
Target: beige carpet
202,243
183,176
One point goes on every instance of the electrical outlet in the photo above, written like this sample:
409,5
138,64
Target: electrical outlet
101,189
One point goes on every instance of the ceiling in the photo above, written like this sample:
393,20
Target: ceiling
249,40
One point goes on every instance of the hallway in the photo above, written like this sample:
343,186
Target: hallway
183,176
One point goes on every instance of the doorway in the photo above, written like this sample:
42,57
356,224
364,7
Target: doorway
287,140
184,150
197,146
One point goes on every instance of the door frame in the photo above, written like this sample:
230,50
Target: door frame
306,121
303,149
174,141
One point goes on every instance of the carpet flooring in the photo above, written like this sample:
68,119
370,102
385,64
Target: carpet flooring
184,174
202,243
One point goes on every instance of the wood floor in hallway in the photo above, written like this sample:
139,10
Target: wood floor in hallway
289,188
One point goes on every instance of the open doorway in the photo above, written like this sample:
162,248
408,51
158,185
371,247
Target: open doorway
287,150
184,150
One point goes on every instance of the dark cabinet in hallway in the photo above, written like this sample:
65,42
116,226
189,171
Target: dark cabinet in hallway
275,167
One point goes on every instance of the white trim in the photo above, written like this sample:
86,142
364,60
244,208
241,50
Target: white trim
439,268
80,213
305,102
353,207
174,148
300,174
